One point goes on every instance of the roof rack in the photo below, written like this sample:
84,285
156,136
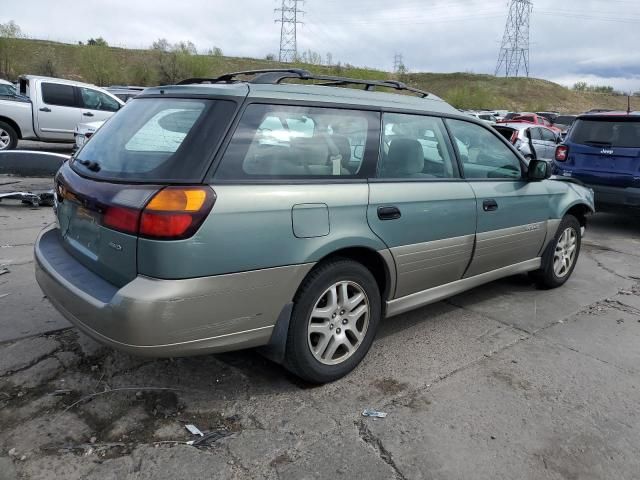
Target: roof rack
277,75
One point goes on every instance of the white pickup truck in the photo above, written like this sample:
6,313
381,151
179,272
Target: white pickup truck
48,110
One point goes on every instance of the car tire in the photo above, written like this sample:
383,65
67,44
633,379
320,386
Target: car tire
8,137
334,321
561,255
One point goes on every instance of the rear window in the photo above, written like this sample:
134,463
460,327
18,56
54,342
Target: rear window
157,139
565,120
506,132
614,132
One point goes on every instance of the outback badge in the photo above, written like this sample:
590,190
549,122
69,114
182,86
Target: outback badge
115,246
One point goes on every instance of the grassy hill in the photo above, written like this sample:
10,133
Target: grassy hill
108,65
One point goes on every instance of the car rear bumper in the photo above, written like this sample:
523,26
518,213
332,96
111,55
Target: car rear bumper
616,196
161,318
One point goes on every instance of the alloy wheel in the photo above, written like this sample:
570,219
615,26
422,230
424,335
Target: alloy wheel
338,322
565,253
5,139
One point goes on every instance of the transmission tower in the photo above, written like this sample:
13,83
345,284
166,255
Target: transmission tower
397,62
514,52
288,14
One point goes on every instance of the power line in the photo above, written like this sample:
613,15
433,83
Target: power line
514,51
288,29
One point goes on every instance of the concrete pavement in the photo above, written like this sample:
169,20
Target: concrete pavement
505,381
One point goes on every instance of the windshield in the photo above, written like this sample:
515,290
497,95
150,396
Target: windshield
156,139
565,120
614,132
7,90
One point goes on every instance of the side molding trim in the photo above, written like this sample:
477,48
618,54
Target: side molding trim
432,295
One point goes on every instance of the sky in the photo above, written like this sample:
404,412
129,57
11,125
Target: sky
571,40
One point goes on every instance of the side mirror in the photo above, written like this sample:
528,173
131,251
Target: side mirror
538,170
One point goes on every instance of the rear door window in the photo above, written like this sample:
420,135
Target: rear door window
615,132
535,133
58,94
157,139
415,146
547,135
483,154
288,142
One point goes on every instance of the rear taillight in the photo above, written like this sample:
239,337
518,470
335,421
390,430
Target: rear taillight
176,212
121,218
562,152
172,213
514,137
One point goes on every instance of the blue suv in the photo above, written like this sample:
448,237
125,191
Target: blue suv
603,151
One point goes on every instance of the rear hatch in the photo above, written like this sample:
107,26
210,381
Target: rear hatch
605,150
509,133
140,175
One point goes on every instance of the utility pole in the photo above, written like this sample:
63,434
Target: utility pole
397,62
514,51
288,20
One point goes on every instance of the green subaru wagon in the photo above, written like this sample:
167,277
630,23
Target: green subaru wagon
291,211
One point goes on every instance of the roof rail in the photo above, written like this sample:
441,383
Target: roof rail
277,75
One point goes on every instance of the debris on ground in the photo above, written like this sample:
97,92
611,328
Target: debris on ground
4,270
35,199
368,412
209,438
194,430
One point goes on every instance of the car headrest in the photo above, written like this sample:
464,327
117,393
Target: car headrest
344,147
310,151
406,157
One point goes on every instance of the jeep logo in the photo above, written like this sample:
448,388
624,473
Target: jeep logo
606,151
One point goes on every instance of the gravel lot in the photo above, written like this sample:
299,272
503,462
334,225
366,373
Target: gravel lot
504,381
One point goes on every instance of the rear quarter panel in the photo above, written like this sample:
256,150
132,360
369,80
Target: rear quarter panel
251,227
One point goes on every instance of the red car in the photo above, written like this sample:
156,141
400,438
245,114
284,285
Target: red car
535,119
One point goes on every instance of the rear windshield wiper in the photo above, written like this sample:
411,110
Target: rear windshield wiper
596,142
93,166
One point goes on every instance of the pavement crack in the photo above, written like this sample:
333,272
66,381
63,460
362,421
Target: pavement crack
602,248
607,269
374,442
621,306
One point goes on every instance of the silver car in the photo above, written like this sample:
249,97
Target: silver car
533,141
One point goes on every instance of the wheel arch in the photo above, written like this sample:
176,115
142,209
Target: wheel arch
12,124
581,211
379,263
